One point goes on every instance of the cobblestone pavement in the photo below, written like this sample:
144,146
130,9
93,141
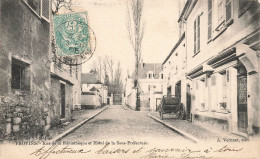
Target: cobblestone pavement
116,123
78,116
192,129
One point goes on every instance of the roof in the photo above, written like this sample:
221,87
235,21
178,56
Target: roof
94,89
98,82
88,93
89,78
144,68
175,47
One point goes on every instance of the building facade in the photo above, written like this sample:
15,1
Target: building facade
94,92
223,62
25,52
65,87
150,84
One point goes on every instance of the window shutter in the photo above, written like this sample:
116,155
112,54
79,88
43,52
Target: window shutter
198,32
209,19
195,37
228,10
242,4
45,10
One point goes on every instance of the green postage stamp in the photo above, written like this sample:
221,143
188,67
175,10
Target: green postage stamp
72,34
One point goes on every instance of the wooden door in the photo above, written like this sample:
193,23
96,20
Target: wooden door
62,89
242,100
188,100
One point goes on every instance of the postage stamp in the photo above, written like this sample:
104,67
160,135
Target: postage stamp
74,39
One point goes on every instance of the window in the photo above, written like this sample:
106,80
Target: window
220,16
220,12
20,75
34,5
229,9
76,71
45,10
70,70
150,75
197,35
244,6
149,87
40,7
224,91
17,76
209,19
161,76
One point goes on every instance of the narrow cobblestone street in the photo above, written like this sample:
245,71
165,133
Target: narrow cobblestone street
116,123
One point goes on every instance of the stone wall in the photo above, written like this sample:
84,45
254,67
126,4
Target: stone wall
24,38
56,101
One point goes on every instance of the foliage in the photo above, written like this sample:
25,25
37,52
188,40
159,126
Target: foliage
57,5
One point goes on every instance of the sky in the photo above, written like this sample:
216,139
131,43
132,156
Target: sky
107,18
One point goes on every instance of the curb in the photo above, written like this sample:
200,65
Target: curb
127,107
182,133
67,132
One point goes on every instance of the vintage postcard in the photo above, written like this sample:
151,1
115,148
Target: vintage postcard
134,79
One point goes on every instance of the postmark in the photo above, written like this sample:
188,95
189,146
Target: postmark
75,41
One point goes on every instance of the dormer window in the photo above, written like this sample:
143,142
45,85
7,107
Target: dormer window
150,75
161,75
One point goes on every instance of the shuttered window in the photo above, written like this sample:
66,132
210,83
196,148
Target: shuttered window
228,11
220,11
45,10
197,35
244,5
198,32
209,19
195,39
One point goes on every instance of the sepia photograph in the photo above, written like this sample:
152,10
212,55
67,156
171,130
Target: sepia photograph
130,79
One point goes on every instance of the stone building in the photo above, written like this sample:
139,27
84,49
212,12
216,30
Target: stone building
174,70
223,62
65,88
150,84
25,107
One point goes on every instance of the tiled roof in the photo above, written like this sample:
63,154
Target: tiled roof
89,78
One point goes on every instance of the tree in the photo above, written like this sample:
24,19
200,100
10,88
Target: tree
110,64
97,67
118,84
57,5
135,28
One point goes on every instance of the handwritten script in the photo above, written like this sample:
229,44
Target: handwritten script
140,152
44,152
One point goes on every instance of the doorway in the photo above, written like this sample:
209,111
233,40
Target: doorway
242,99
169,91
188,100
158,102
62,89
178,89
